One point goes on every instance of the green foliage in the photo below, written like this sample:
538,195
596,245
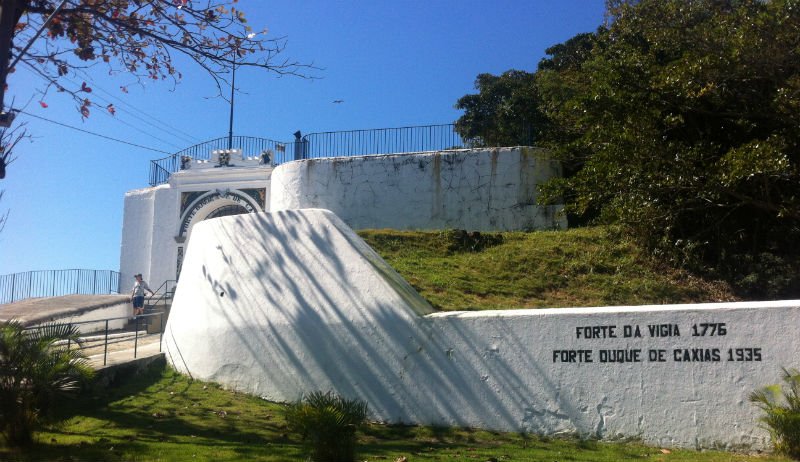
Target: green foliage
35,370
568,56
460,240
782,408
678,120
681,124
160,415
328,423
510,110
504,112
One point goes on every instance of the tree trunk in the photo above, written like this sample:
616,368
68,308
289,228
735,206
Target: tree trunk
10,12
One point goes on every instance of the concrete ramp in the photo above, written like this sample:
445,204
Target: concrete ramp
286,303
68,308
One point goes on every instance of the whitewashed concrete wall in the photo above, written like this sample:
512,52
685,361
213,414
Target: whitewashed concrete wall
485,190
121,310
137,235
281,304
481,189
152,217
148,230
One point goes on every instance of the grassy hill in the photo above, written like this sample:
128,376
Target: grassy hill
594,266
160,415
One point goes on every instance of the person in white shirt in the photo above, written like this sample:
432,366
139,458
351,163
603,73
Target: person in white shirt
137,294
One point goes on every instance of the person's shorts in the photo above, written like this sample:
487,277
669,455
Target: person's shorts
138,302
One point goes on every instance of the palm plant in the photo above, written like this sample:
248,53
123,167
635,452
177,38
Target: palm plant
782,412
36,367
328,424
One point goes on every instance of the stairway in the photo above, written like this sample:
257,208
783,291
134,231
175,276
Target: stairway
156,310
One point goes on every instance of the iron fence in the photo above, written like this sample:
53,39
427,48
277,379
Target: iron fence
161,169
122,341
400,140
51,283
382,141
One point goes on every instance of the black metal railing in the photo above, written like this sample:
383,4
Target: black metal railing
123,340
161,169
400,140
52,283
382,141
162,298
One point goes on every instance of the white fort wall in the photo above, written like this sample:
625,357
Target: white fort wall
477,190
281,304
157,221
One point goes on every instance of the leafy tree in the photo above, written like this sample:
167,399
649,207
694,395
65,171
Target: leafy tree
678,119
35,370
503,112
509,109
560,77
519,107
570,55
686,122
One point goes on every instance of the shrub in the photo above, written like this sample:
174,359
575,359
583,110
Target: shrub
459,240
35,369
781,405
327,423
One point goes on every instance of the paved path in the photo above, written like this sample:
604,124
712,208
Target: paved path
121,343
37,310
123,351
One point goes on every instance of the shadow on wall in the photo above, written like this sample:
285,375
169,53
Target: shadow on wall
283,304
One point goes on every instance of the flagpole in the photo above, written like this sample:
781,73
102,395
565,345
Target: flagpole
233,87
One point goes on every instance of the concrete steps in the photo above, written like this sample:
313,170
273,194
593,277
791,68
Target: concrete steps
154,321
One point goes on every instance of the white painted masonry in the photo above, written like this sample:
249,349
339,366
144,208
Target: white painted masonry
280,304
120,310
476,190
157,221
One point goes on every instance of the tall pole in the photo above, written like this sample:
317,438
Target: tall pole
233,87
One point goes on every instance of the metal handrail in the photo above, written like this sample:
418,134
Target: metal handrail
137,320
167,294
380,141
51,283
251,146
398,140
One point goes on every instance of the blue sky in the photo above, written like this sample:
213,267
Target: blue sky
394,63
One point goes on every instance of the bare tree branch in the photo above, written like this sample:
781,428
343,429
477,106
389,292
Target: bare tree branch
139,38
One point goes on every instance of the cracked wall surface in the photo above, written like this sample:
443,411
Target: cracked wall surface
281,304
479,189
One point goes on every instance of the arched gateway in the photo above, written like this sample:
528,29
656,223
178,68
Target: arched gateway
197,206
158,221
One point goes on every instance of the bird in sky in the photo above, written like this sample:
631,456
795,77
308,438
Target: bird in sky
337,101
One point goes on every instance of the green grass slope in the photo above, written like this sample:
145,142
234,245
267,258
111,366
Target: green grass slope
164,416
593,266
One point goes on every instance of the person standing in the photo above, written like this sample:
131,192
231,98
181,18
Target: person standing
137,294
